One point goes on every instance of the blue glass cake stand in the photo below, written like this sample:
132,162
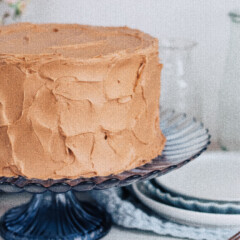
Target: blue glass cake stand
54,213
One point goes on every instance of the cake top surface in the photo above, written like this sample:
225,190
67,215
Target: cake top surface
70,40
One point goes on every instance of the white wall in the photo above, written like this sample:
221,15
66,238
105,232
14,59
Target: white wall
205,21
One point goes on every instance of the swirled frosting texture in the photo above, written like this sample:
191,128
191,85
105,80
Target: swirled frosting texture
77,100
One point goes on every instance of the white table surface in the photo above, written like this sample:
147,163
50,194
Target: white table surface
8,201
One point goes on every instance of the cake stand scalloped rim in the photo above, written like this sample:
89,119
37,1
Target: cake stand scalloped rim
91,183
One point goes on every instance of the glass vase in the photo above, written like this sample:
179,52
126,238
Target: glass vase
229,93
181,89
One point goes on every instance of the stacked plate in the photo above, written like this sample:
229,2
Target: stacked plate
205,192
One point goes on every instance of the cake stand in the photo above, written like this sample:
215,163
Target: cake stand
55,213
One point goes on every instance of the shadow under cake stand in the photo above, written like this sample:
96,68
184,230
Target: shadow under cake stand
55,213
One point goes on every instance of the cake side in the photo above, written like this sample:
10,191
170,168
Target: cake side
80,109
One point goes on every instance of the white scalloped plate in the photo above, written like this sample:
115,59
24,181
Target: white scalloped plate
186,216
160,195
214,176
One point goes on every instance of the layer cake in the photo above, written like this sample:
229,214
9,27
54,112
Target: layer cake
77,101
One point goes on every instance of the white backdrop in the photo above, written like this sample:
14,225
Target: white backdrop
204,21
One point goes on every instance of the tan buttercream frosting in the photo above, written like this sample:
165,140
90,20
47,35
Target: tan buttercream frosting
77,100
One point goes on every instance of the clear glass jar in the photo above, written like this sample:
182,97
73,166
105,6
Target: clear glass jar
229,93
181,90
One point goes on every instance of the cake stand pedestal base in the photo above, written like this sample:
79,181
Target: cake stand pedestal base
54,216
